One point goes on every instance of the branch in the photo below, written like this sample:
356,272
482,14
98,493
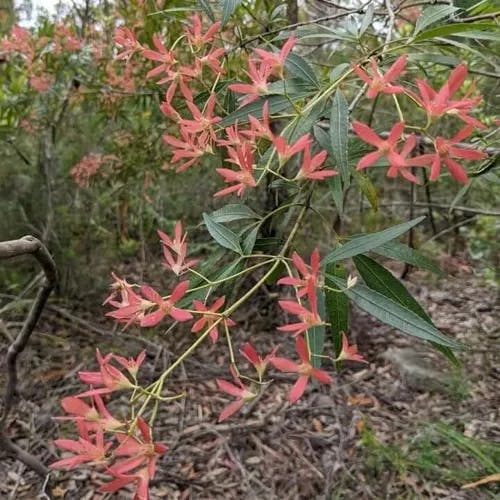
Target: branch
8,250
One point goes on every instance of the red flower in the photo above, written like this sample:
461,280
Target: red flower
308,318
165,57
191,148
379,83
195,36
88,448
349,351
201,122
439,103
304,369
285,151
385,147
401,167
309,169
309,274
119,287
95,417
143,453
130,311
258,87
445,151
212,60
165,307
259,129
240,391
178,246
209,318
131,365
243,157
260,365
276,61
124,37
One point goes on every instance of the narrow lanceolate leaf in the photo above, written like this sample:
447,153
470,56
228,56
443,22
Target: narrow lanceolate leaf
365,243
394,314
248,243
339,130
222,235
300,68
277,103
232,212
403,253
366,186
337,306
316,335
381,280
367,19
432,15
205,6
228,8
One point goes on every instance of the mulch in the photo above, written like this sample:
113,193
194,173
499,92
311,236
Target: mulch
313,449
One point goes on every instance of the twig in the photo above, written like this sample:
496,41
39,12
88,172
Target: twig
10,249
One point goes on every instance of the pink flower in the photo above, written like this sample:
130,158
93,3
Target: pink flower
243,157
379,83
88,449
131,365
276,61
304,369
201,122
96,417
125,38
143,453
119,287
446,151
191,148
165,307
179,246
259,129
108,377
310,274
258,87
349,352
437,104
308,318
240,391
260,364
195,36
385,147
309,169
165,57
286,151
208,318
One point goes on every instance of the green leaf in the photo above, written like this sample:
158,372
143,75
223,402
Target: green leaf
316,335
337,306
366,186
249,241
381,280
393,314
338,71
432,15
222,235
335,184
228,8
300,68
232,212
205,6
277,103
339,130
403,253
460,29
365,243
367,19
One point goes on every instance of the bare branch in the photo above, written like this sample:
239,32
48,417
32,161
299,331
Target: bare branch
8,250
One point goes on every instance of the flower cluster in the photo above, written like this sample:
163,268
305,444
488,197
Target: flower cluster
123,449
89,166
435,104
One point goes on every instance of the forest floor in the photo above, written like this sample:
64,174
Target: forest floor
403,426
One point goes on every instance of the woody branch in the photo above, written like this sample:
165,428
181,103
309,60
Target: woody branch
28,245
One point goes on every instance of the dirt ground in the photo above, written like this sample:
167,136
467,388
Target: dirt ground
375,433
